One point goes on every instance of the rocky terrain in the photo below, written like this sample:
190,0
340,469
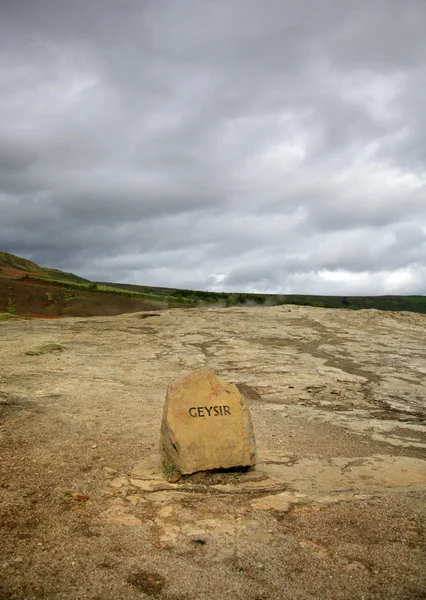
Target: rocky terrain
335,507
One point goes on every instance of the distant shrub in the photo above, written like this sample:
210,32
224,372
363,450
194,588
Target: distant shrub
11,307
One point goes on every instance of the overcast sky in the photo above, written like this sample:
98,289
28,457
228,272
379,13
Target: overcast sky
253,145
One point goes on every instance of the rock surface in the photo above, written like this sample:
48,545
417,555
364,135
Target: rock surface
354,446
206,425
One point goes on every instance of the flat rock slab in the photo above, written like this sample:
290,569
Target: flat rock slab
206,425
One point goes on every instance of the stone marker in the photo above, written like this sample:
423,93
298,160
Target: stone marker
206,425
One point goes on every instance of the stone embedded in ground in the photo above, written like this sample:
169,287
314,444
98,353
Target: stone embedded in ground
119,482
118,516
206,425
279,502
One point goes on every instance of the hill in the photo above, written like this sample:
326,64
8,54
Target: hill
199,298
28,289
10,261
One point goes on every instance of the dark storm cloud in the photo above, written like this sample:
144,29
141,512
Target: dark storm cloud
229,144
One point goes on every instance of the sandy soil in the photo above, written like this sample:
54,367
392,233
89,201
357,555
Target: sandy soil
335,508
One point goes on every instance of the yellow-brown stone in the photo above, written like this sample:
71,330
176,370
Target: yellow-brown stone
206,425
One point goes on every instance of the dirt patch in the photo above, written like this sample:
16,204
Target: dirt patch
148,583
49,300
17,273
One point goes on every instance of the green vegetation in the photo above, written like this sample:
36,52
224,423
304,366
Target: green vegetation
11,261
170,472
174,298
11,306
400,303
52,302
47,348
6,316
98,288
63,275
162,297
203,298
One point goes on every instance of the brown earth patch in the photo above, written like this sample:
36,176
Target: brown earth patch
8,272
49,300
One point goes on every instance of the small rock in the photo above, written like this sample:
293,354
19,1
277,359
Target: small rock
135,499
252,476
94,446
118,482
148,468
223,554
164,496
45,349
279,502
174,477
110,471
317,549
81,497
355,566
5,565
165,512
116,516
18,559
151,486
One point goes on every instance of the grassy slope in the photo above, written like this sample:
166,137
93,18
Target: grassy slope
64,276
138,288
401,303
194,298
11,261
28,289
173,297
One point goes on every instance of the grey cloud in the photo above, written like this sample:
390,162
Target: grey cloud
258,145
15,157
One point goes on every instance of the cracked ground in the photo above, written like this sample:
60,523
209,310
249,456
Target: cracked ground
335,507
